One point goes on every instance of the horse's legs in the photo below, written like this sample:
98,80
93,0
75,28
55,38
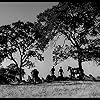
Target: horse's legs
71,75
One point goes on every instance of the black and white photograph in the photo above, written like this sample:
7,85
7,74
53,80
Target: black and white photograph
50,49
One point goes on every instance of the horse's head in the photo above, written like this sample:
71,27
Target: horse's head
68,68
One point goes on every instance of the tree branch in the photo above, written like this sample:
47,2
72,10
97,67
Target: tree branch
25,52
64,42
56,39
24,57
25,63
24,60
13,59
76,44
69,38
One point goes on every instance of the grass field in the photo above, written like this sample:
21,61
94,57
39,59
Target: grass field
68,89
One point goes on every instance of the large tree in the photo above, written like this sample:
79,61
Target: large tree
20,38
79,23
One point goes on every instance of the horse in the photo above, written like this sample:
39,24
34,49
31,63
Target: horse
75,71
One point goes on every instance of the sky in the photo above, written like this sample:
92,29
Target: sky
27,11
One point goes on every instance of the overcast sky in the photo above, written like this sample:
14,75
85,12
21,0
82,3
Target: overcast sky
27,11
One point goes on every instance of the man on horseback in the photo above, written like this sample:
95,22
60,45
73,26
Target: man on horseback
75,71
72,72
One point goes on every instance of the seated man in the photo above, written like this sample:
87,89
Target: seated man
35,73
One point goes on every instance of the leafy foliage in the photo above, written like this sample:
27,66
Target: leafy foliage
12,69
79,22
20,37
10,73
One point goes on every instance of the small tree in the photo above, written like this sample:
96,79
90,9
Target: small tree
19,37
13,70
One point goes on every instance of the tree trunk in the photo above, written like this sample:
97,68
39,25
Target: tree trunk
80,66
20,73
20,76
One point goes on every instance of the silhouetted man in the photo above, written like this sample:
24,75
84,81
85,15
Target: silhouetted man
52,71
61,72
35,73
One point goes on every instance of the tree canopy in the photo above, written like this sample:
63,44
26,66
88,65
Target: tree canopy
22,38
79,22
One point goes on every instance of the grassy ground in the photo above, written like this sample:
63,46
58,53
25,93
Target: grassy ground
66,89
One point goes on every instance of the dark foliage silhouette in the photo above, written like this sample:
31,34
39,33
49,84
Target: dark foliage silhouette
35,78
50,78
19,37
79,23
9,75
